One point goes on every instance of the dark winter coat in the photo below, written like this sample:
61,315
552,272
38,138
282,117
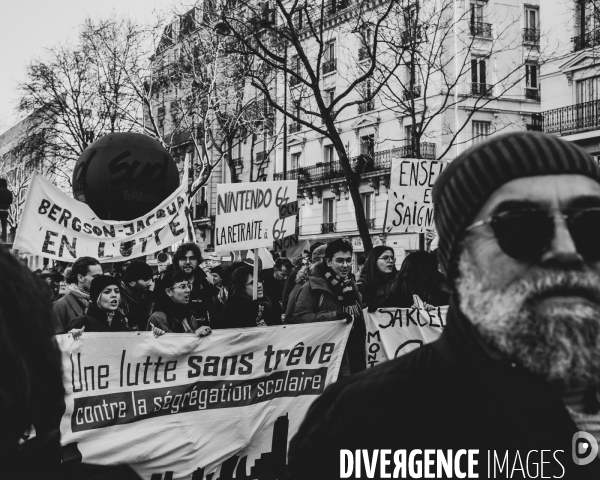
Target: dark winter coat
96,320
317,303
241,312
372,295
201,296
65,310
273,289
448,394
135,306
170,318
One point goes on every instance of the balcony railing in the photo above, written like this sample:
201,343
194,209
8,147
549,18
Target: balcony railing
330,66
587,40
480,29
363,54
295,127
532,94
573,119
483,89
328,228
409,94
362,164
366,106
531,36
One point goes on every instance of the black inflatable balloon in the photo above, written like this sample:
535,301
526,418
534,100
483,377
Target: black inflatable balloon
122,176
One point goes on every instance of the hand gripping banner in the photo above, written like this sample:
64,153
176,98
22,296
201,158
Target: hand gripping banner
392,332
184,407
56,226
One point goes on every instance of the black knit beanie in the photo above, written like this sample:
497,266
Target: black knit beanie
468,181
99,283
138,270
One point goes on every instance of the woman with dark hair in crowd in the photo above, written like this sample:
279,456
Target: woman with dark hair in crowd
418,275
241,311
171,312
378,276
103,314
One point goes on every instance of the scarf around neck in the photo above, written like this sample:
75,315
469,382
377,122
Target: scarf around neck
343,289
79,293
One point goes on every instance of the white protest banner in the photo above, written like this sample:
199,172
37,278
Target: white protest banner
410,204
56,226
253,215
184,407
392,332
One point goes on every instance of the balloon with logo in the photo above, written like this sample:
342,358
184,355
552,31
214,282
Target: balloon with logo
122,176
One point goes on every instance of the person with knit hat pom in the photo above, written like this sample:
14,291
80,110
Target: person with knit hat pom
516,370
103,313
136,299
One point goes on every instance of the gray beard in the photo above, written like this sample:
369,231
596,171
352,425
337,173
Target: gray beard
562,344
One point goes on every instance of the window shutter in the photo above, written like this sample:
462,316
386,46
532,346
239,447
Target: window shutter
482,75
474,71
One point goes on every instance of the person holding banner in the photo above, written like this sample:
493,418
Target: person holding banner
331,294
241,311
171,312
103,313
378,276
74,304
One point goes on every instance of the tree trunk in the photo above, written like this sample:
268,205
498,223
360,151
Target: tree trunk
353,181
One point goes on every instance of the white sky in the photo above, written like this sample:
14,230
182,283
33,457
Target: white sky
29,26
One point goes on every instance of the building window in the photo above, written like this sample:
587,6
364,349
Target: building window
329,154
328,211
294,161
481,132
479,85
531,18
329,63
367,145
532,88
588,90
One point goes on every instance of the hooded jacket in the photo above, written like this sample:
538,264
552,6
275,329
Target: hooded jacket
449,394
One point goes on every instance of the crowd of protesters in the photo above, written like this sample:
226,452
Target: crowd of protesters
189,296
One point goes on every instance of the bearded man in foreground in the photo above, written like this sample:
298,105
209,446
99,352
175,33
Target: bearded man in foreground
515,375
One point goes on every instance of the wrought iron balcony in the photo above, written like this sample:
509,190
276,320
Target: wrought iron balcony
586,40
366,106
576,118
480,29
482,89
409,94
532,94
328,228
537,123
330,66
531,36
424,150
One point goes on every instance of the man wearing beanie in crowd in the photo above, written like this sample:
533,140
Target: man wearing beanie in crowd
517,367
135,294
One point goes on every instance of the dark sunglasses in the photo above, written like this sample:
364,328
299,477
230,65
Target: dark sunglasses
526,234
